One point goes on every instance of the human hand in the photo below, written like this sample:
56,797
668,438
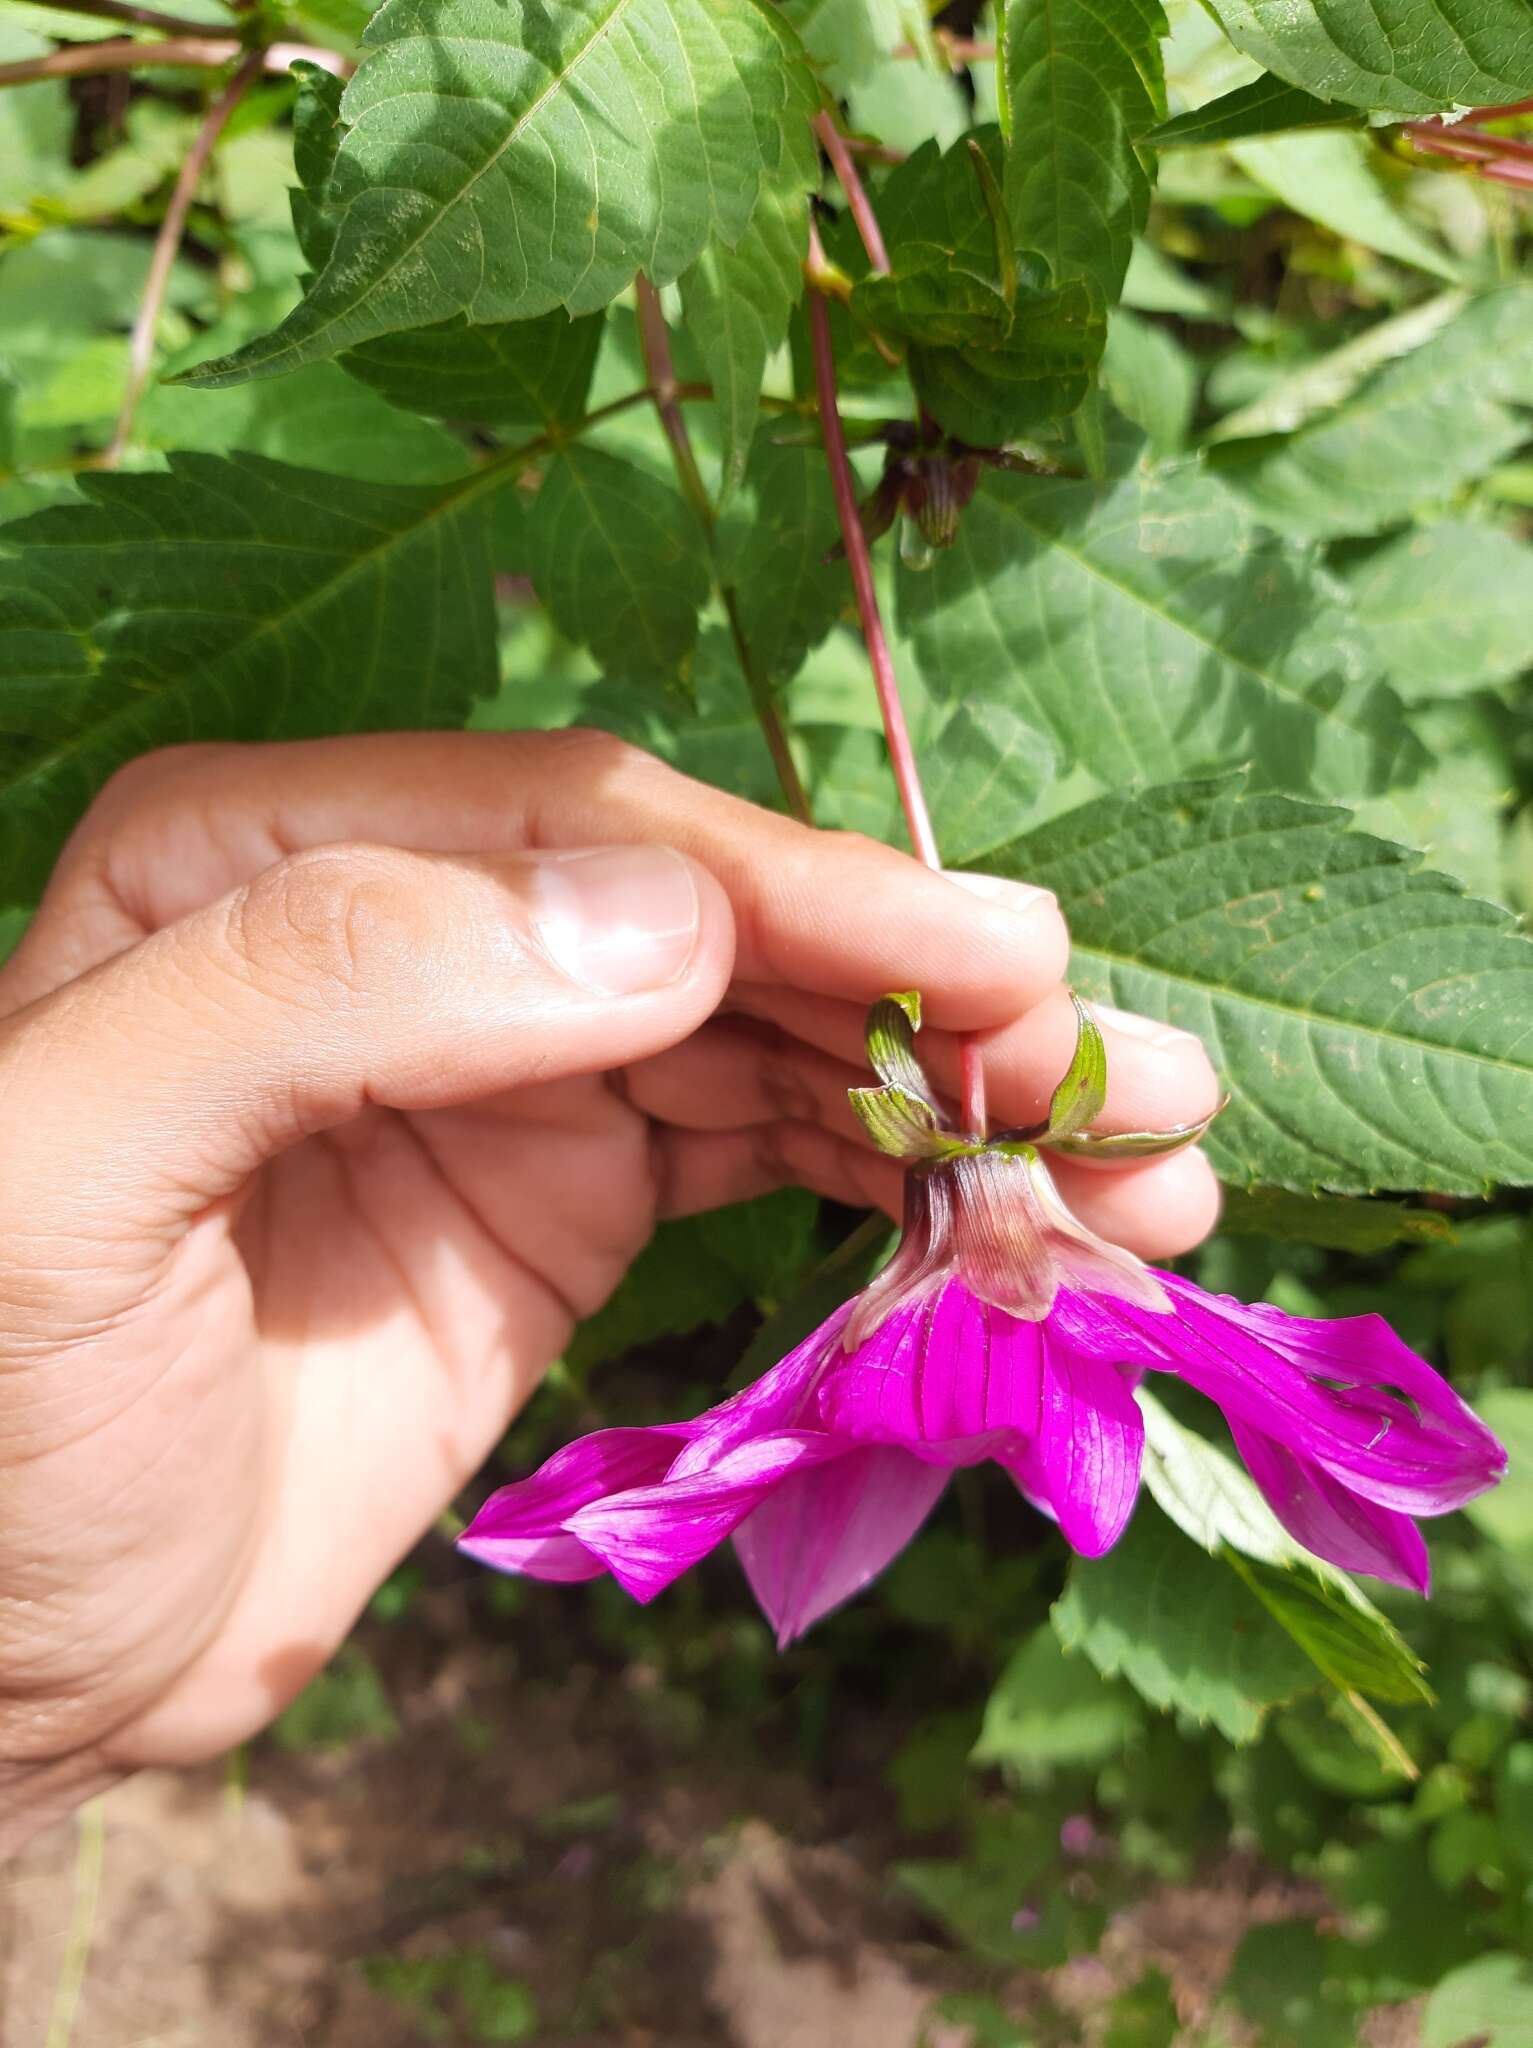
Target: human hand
337,1082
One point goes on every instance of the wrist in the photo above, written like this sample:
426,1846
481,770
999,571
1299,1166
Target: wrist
35,1796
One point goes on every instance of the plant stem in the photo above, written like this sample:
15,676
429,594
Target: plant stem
141,17
655,343
167,244
90,1852
902,755
202,53
834,145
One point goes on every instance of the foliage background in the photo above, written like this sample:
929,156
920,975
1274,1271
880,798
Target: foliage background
1274,561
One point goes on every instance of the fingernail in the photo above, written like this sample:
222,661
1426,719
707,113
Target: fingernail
1164,1037
1020,898
618,919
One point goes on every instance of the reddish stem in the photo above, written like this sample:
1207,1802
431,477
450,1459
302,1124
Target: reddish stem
203,53
166,246
1472,143
834,144
902,755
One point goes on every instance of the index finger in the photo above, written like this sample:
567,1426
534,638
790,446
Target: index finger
830,913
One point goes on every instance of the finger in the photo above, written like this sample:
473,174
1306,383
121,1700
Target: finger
1157,1076
734,1073
701,1170
1158,1208
344,977
830,912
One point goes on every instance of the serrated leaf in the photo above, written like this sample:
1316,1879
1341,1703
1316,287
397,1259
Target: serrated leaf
1047,1709
1182,1628
985,769
1267,106
1149,631
1084,80
1333,179
230,599
995,347
501,159
1369,1019
619,560
1398,57
1351,1645
737,303
1415,430
1448,607
1335,1223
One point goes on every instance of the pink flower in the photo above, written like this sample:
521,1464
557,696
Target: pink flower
1002,1329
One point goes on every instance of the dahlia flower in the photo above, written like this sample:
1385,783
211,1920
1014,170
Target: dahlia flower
1001,1329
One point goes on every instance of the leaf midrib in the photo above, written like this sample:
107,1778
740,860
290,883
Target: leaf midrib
450,500
1321,714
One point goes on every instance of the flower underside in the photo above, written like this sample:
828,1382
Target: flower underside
1001,1330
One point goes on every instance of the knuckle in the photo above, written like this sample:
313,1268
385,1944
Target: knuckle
601,755
332,921
142,779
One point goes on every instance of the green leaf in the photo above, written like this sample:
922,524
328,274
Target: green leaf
1398,57
1182,1628
1334,179
1341,1632
1084,79
1415,430
892,1024
1448,607
985,769
1151,379
1488,2002
995,348
1149,631
1505,1514
500,160
1267,106
619,560
737,303
1277,1982
1335,1223
527,373
230,599
773,548
1369,1019
1048,1710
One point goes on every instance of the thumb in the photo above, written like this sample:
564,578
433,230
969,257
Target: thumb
342,977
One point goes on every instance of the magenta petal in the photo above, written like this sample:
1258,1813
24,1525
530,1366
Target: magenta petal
1085,1460
522,1528
650,1535
1345,1394
1329,1519
945,1376
828,1531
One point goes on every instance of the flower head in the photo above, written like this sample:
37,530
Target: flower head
1002,1329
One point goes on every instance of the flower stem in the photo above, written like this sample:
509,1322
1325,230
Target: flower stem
141,17
655,343
902,755
167,245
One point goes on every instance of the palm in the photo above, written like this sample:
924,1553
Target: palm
386,1296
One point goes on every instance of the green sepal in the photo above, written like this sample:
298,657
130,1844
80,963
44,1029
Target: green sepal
903,1125
901,1117
1082,1094
891,1031
1136,1144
